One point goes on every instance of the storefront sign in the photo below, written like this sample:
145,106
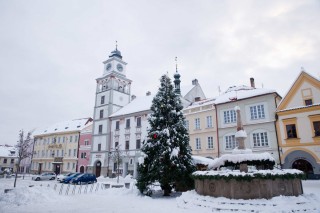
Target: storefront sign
55,146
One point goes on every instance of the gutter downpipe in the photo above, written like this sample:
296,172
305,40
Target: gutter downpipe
218,147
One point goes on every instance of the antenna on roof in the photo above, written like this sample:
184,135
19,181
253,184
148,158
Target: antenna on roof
176,59
219,90
116,45
302,69
262,85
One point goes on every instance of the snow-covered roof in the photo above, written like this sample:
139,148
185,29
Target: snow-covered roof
237,158
139,104
8,151
201,160
299,107
186,89
241,92
201,103
66,126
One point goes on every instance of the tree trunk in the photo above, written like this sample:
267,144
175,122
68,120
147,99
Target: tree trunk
166,190
16,175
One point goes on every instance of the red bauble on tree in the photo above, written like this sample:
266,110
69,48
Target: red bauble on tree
155,136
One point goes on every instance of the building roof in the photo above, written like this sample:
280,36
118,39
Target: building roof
62,127
139,104
201,103
241,92
8,151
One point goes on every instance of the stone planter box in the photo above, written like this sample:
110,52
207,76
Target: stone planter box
255,189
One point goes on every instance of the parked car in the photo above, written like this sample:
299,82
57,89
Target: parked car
84,178
44,176
69,178
61,177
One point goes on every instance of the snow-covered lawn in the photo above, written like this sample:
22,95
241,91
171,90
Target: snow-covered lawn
42,197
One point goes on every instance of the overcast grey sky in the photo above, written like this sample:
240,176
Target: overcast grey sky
51,52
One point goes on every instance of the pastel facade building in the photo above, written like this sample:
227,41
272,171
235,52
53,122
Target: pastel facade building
56,147
84,148
257,109
298,126
201,124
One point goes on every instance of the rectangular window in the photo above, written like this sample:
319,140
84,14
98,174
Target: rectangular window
138,121
291,131
197,123
316,128
101,113
47,153
127,145
82,155
85,155
210,142
260,139
308,102
229,116
257,112
42,153
99,147
186,124
68,167
231,142
100,129
209,121
76,138
128,123
73,165
102,100
58,139
117,125
62,152
70,139
63,139
116,144
86,142
58,153
5,160
138,144
12,161
69,152
74,152
198,144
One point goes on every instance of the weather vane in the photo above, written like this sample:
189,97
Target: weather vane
116,45
176,59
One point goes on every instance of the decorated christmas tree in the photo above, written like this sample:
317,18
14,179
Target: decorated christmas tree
167,154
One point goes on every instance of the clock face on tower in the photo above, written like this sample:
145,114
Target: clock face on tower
108,66
120,67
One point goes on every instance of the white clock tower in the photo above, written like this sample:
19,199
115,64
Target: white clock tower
112,93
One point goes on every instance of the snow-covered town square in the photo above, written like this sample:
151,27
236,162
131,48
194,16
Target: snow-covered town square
159,106
42,197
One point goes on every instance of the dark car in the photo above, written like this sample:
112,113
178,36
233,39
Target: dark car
84,178
69,178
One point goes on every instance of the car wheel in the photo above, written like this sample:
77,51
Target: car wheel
37,179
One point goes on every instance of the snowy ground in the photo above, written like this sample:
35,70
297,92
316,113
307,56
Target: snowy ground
50,196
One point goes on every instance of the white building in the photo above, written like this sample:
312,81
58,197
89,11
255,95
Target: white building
112,93
258,107
8,158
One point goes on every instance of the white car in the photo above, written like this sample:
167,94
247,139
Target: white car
45,176
61,177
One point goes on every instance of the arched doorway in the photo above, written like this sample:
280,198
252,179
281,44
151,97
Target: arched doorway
98,168
303,165
81,169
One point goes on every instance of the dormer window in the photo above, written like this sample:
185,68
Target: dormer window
308,102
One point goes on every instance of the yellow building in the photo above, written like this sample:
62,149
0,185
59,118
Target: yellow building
201,124
56,147
298,126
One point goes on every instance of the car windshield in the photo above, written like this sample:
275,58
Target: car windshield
81,175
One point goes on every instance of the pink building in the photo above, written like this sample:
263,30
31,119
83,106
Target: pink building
84,148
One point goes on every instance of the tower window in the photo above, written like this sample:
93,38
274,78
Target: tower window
99,147
100,129
101,113
117,125
139,121
127,145
102,100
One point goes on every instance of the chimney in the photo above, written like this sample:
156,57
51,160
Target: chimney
252,83
148,93
195,82
133,97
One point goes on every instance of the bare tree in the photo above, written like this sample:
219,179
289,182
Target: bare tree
24,148
117,156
